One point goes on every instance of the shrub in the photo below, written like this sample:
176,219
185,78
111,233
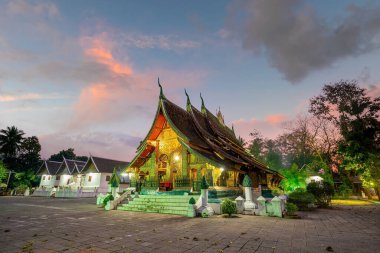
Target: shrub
204,184
108,198
301,199
291,208
192,201
21,188
277,191
322,192
344,191
228,207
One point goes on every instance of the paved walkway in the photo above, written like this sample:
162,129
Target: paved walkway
64,225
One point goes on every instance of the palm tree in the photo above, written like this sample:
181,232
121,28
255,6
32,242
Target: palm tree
10,141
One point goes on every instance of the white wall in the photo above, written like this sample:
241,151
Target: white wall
95,180
46,182
103,183
64,178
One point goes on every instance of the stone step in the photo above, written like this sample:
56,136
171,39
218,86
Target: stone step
167,204
156,207
159,202
178,212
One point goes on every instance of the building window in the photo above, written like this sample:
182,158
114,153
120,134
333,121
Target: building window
58,178
49,178
43,178
68,181
89,178
108,178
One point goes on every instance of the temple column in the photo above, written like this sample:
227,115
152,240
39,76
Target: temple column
157,152
184,162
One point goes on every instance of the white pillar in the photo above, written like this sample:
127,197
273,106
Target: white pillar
248,204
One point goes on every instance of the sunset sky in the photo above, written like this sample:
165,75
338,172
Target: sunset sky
83,74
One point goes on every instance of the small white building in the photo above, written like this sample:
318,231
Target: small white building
70,179
48,173
314,179
97,174
69,174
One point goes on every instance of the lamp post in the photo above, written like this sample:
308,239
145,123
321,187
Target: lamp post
9,177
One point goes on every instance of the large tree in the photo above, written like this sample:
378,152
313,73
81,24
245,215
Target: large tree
30,153
353,111
10,141
357,116
68,154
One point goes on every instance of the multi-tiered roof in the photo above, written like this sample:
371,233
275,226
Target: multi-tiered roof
202,133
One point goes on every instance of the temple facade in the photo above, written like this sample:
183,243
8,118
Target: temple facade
183,145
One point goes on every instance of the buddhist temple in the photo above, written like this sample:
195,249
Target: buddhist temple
183,145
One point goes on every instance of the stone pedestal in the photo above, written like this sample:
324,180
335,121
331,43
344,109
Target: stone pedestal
248,204
202,206
239,204
276,207
261,206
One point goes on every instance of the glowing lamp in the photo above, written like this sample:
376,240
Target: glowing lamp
222,169
176,158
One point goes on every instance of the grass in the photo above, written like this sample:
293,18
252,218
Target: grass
350,202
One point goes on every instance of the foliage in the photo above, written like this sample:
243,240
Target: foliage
247,181
344,191
322,192
10,141
3,172
27,177
29,157
291,208
357,115
265,150
68,154
21,188
371,174
115,179
228,207
301,199
204,184
294,179
277,191
21,155
205,213
108,198
192,201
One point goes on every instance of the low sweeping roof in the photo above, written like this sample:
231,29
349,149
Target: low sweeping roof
104,165
70,167
51,167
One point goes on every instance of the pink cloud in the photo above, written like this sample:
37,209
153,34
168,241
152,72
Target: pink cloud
271,127
100,49
127,93
275,118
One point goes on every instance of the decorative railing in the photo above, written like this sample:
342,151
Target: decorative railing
197,184
182,182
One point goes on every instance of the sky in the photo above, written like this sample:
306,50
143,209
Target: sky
83,74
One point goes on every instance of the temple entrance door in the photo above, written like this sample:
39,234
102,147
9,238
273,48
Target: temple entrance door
193,175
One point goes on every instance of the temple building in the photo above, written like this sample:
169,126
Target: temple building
183,145
48,172
97,172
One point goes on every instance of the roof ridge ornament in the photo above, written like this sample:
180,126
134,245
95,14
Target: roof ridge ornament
161,92
188,103
203,107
